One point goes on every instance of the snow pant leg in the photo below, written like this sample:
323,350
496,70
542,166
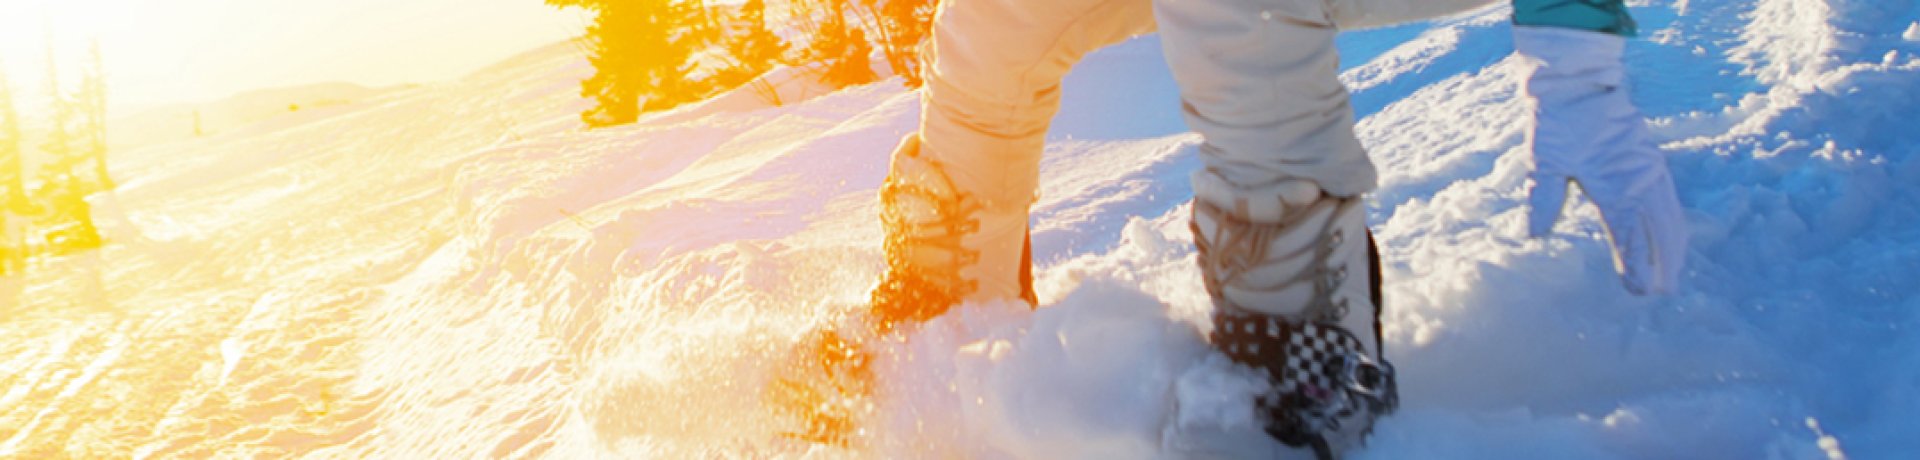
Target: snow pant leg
1259,81
1587,131
1569,86
993,86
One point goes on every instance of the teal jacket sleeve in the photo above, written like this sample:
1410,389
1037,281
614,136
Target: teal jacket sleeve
1607,16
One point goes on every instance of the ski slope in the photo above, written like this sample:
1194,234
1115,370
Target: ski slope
458,270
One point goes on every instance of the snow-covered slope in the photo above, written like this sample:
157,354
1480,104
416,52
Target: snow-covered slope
457,270
176,122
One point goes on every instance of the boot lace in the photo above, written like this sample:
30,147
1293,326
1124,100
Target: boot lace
911,291
1238,246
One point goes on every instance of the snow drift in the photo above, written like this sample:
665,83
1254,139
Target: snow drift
457,270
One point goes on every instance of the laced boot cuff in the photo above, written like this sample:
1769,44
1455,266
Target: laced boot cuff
1290,271
944,244
925,218
1297,266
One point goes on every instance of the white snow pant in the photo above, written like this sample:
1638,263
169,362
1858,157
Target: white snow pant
1258,79
1587,131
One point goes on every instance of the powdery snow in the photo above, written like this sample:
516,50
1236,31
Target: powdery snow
458,270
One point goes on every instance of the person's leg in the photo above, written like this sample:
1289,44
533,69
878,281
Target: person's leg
1277,212
1588,132
956,198
954,207
1259,82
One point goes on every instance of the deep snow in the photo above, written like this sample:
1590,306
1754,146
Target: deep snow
458,270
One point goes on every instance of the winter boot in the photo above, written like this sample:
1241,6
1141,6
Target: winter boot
943,246
1293,275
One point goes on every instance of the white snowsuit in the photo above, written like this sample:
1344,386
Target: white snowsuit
1258,80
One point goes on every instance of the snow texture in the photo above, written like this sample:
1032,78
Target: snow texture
459,270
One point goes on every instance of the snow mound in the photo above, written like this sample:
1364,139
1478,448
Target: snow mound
459,270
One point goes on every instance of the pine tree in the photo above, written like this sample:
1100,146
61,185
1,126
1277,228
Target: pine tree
65,192
13,184
59,142
754,48
758,45
841,48
13,179
642,55
92,100
903,26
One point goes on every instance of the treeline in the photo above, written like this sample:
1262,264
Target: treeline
651,55
47,211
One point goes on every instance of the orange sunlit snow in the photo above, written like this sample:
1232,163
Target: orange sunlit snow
581,229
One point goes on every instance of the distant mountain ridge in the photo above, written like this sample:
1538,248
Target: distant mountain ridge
176,121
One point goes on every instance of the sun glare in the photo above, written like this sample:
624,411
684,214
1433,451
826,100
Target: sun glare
159,52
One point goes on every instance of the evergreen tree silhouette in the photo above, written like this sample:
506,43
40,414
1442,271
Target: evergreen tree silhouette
841,48
66,147
754,48
92,101
903,25
642,55
60,139
13,185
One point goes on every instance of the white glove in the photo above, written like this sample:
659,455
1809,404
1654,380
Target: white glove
1587,132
